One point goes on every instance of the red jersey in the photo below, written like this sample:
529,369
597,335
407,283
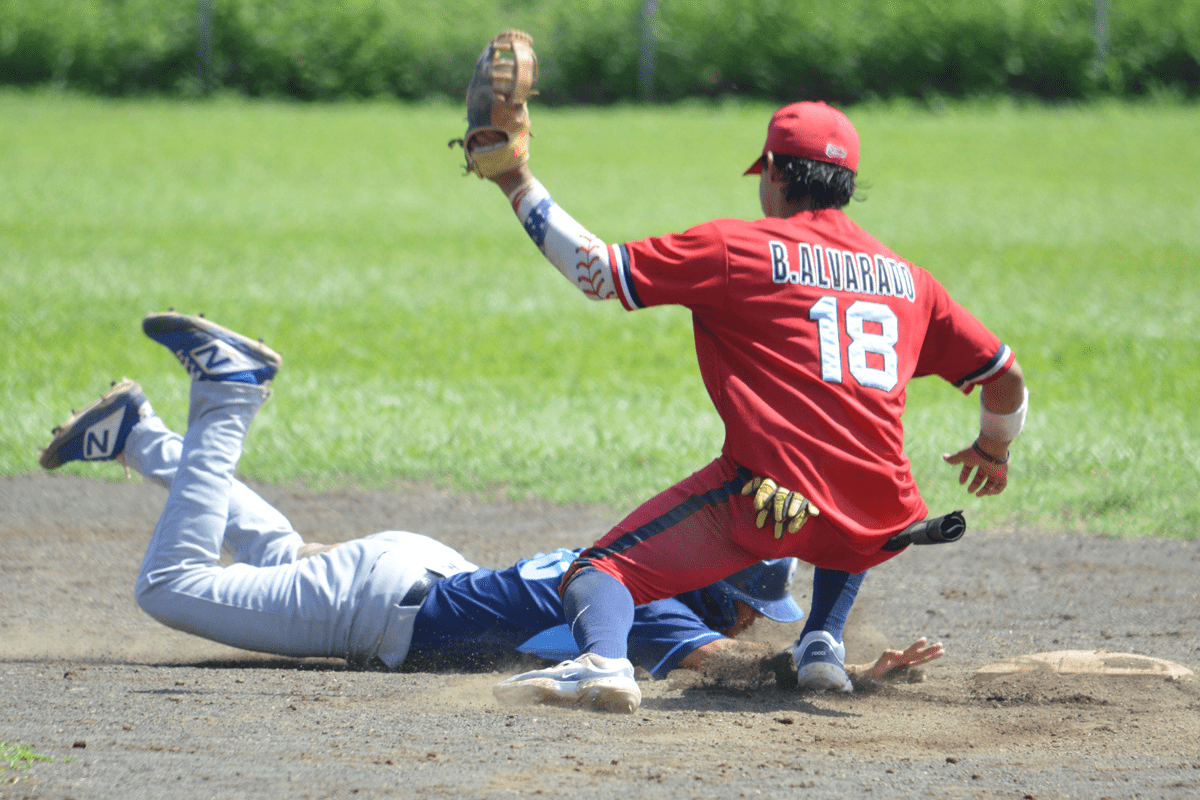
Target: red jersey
807,332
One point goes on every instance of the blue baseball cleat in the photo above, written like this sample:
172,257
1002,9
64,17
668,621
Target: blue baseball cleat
605,684
210,352
98,432
819,664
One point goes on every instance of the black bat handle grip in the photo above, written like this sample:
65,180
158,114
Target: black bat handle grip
935,530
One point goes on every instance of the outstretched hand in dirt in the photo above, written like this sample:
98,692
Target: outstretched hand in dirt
898,664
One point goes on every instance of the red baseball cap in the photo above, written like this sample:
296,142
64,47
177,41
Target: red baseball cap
811,130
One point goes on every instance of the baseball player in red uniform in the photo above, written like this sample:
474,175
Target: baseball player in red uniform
807,330
381,601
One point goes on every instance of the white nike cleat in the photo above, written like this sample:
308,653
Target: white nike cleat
605,684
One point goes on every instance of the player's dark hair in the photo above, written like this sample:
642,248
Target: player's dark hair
829,185
717,613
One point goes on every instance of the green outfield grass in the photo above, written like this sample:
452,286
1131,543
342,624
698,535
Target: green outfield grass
425,339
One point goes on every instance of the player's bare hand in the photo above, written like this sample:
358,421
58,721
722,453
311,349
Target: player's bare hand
789,509
916,654
989,476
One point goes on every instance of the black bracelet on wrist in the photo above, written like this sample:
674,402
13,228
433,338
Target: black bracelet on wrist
991,459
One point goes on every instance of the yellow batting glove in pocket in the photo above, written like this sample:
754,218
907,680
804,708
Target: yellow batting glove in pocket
789,509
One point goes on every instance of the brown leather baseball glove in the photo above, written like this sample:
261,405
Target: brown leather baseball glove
497,137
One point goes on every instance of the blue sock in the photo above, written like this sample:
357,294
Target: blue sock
832,597
599,611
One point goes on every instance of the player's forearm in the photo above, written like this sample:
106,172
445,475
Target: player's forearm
1005,394
509,182
580,256
1002,415
704,654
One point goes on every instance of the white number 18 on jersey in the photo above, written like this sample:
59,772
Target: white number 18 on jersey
862,342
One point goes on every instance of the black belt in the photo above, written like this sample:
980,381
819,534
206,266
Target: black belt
420,588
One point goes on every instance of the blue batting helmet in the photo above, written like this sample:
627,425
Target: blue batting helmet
763,586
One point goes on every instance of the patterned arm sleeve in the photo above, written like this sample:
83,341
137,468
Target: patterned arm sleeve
579,255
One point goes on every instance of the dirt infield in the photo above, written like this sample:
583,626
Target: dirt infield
128,709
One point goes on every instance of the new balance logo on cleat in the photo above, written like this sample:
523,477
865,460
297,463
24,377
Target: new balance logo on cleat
98,432
210,352
218,358
101,438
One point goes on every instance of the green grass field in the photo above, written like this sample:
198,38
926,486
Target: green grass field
426,339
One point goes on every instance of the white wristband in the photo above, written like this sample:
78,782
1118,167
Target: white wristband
1002,427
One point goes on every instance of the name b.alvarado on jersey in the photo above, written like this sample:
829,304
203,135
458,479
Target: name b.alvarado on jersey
841,270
